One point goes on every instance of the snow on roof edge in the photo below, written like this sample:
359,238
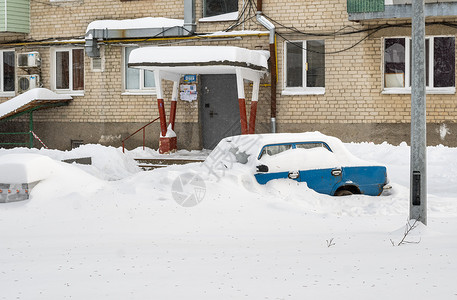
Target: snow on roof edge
147,22
36,94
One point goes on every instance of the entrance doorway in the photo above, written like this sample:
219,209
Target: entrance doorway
219,108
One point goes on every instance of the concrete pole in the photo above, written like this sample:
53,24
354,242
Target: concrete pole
418,183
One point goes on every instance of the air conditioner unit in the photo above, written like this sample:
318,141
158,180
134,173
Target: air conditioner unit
28,82
28,60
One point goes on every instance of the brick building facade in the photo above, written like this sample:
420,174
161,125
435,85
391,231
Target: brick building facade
339,73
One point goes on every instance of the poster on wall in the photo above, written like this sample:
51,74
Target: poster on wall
188,92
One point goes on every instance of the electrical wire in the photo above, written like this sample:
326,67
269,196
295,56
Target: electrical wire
249,12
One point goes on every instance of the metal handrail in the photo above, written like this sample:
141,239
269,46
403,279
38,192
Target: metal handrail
29,144
144,135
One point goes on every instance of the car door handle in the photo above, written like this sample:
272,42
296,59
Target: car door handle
293,174
336,172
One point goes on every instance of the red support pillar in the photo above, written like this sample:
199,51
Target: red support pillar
163,118
243,118
173,114
252,117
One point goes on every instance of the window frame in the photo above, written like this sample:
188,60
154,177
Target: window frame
431,63
303,90
204,10
293,145
70,91
142,90
4,93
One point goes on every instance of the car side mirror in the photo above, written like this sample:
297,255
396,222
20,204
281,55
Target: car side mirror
262,169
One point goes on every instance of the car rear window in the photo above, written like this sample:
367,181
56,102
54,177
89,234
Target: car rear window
311,145
275,149
271,150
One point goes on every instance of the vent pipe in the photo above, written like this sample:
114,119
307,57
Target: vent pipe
93,36
189,16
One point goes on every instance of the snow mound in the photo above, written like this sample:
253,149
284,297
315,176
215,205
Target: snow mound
25,168
108,163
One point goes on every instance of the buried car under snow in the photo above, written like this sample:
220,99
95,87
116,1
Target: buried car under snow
319,160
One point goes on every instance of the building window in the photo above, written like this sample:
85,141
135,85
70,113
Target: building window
219,7
137,80
439,64
7,71
68,70
305,66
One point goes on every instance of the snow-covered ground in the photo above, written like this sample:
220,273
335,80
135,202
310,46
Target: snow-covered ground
110,231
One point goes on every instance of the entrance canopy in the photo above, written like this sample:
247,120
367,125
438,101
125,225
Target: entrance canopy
170,63
33,99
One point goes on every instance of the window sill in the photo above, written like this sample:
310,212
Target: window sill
428,91
138,93
69,93
233,16
7,94
303,91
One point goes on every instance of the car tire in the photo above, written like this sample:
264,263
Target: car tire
343,193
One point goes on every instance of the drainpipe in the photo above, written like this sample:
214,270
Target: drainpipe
268,25
189,17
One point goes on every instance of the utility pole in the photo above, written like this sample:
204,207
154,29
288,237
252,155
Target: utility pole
418,183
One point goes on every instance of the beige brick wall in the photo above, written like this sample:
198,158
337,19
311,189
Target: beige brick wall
105,101
353,92
70,19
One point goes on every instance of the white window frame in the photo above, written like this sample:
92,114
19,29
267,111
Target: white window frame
430,58
303,90
142,90
2,92
204,10
70,90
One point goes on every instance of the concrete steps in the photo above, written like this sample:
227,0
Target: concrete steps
153,163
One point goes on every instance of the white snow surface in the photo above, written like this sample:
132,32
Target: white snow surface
36,94
198,54
111,231
170,133
148,22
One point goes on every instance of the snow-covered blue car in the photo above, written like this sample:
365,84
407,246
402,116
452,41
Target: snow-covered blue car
319,160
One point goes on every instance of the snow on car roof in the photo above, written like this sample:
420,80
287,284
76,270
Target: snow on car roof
25,168
251,145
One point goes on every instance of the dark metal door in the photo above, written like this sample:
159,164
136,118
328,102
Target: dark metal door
219,109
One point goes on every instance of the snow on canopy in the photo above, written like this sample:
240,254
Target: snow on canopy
30,99
139,23
204,57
